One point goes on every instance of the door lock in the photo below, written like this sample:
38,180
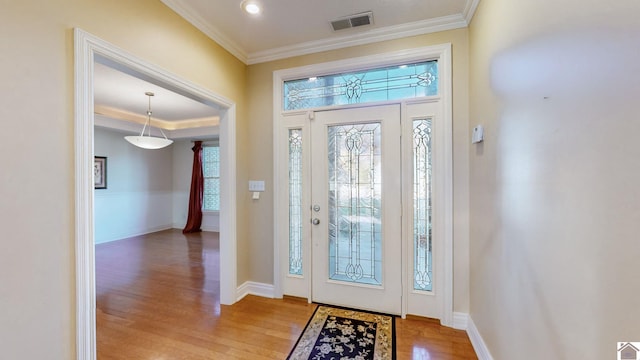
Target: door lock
316,208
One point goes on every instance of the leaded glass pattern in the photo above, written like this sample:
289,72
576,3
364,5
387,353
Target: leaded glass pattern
211,172
422,184
355,188
387,83
295,201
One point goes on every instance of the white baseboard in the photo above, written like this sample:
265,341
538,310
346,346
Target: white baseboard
137,233
460,320
203,228
476,340
255,288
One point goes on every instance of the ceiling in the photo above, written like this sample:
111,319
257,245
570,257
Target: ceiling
284,28
116,90
120,104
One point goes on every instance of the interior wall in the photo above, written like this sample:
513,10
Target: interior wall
37,254
260,149
554,202
138,197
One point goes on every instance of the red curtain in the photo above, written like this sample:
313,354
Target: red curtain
194,221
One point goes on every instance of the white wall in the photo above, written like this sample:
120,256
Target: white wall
139,194
182,166
146,191
555,200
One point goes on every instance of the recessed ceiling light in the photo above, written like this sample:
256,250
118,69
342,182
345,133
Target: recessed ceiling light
251,7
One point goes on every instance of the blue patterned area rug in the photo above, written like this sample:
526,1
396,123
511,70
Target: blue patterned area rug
343,334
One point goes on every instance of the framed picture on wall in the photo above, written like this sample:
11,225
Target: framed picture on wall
100,172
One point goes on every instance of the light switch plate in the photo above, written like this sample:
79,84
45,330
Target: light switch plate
256,185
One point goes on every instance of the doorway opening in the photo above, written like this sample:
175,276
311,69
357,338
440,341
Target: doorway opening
87,48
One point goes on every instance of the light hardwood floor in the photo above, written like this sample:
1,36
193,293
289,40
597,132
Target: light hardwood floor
158,298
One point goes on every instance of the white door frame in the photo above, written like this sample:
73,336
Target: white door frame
87,47
440,52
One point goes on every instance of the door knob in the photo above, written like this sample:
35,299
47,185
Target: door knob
315,221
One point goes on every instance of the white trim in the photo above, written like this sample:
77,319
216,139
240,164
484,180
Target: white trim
193,17
87,47
277,273
228,225
449,22
84,200
255,288
443,54
460,320
128,127
376,35
447,115
140,233
180,226
211,228
478,343
469,10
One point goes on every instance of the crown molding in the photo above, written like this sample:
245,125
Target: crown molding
127,127
119,114
469,10
192,16
376,35
443,23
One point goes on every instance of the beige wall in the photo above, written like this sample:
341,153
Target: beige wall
37,276
260,149
555,201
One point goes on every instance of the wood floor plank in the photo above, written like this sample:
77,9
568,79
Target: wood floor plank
158,298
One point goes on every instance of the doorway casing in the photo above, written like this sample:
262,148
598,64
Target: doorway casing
87,47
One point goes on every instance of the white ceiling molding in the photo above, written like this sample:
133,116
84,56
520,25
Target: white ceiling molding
382,34
128,127
123,126
139,119
470,10
189,14
195,123
212,132
450,22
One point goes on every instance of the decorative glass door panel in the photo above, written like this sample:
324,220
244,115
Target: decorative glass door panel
422,180
295,201
424,201
355,189
356,208
294,197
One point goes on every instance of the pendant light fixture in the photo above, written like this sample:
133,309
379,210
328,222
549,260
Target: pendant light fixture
149,142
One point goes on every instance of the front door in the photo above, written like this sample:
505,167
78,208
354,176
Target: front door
356,208
364,195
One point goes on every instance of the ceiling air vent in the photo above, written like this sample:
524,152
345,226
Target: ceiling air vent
353,21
